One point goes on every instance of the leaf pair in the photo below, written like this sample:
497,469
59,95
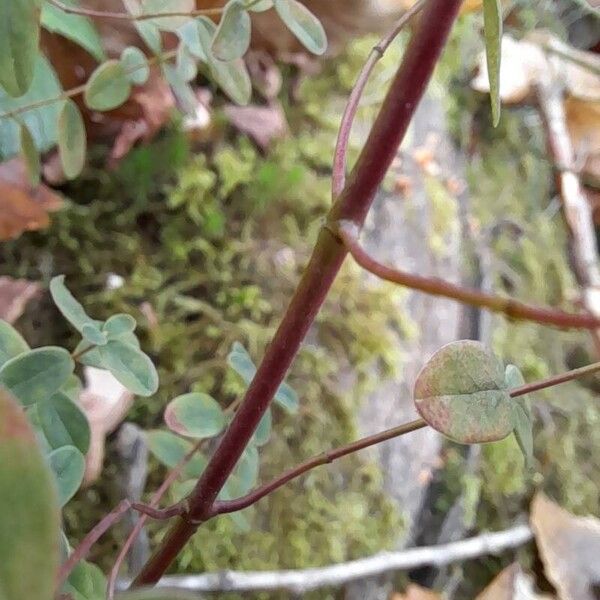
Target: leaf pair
111,345
464,393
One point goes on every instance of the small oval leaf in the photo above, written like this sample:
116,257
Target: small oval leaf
492,26
63,423
30,155
72,140
29,512
461,393
130,366
11,342
232,38
108,87
303,24
195,415
170,449
68,466
118,325
86,582
67,305
136,65
36,375
92,334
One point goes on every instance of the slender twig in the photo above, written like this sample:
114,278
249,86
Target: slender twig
80,89
161,514
156,498
328,255
102,14
513,309
89,540
338,178
228,506
78,355
298,582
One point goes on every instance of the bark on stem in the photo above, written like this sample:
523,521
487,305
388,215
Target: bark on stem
353,204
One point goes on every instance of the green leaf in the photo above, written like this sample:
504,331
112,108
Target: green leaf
239,360
68,466
461,392
29,512
67,305
183,92
245,474
93,358
77,28
86,582
303,24
189,35
93,335
492,26
118,325
19,38
72,141
36,375
41,121
72,388
523,416
148,31
30,155
169,6
195,415
170,449
63,423
130,366
135,64
263,431
261,6
11,343
108,87
232,38
185,65
232,77
153,594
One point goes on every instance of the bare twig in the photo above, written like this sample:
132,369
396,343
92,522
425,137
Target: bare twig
302,581
89,540
338,178
439,287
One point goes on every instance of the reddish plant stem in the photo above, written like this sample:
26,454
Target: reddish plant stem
338,177
514,309
329,253
156,498
89,540
229,506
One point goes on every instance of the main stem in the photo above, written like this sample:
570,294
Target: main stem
353,205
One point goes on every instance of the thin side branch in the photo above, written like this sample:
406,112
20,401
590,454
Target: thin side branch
229,506
89,540
513,309
338,179
299,582
528,388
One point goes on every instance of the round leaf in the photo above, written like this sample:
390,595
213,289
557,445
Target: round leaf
186,65
18,44
108,87
31,155
461,393
86,582
29,512
130,366
68,466
92,334
303,24
67,305
170,449
195,415
135,64
232,38
118,325
72,141
63,423
36,375
11,342
168,6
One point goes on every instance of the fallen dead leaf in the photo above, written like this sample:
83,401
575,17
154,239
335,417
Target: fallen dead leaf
511,584
262,123
105,402
569,547
22,206
14,296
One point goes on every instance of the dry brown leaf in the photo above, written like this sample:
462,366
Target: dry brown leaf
569,547
14,296
105,402
23,207
511,584
416,592
262,123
